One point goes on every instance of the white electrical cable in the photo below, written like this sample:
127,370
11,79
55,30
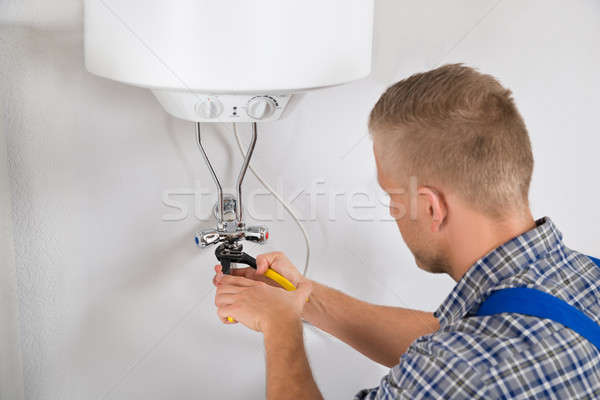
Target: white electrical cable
285,205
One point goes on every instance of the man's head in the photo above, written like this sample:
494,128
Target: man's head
460,137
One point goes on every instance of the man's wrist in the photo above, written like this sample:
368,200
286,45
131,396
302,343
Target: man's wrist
312,305
281,326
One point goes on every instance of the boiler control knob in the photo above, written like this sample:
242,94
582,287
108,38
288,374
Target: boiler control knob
261,107
209,108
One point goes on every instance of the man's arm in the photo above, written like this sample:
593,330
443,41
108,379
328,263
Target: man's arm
381,333
275,313
288,372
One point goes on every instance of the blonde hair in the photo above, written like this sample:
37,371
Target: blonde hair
456,127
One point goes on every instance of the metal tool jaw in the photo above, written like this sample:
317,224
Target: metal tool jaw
230,229
228,253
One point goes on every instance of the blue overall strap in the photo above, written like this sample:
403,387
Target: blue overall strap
522,300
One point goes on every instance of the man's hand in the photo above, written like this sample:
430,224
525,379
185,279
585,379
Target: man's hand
248,298
276,260
261,305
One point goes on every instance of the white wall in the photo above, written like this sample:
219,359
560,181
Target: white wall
116,303
11,369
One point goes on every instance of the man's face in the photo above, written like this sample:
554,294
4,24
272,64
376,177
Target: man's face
411,213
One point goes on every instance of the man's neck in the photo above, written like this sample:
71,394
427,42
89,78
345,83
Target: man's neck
477,235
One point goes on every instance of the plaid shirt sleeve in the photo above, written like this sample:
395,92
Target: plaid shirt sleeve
423,374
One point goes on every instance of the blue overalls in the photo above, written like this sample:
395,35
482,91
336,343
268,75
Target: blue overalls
533,302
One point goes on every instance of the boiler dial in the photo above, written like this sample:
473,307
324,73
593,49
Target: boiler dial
209,108
261,107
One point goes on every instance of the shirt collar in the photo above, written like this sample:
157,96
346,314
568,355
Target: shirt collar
504,261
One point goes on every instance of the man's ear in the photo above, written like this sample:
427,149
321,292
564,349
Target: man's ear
437,208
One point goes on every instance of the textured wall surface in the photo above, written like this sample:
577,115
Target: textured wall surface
11,369
115,302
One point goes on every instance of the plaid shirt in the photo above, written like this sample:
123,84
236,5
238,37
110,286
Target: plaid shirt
506,356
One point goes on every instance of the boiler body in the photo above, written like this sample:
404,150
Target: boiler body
194,53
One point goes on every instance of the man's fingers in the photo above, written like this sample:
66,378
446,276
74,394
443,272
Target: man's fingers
264,261
236,281
245,272
225,313
217,278
218,274
229,289
224,299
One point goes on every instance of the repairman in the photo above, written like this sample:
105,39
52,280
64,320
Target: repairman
522,320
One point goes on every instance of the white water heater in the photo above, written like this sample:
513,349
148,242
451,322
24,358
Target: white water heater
228,60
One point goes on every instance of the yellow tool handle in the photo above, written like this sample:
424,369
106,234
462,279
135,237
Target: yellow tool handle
280,279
